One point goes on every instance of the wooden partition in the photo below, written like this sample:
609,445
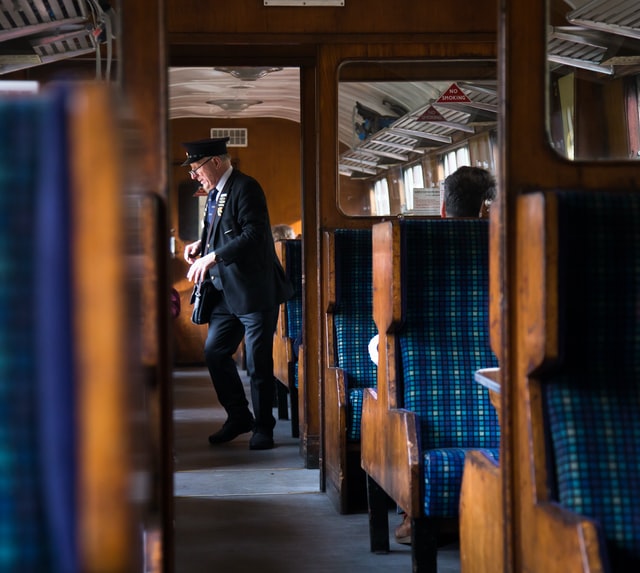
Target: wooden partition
123,393
142,78
522,273
107,529
578,383
571,542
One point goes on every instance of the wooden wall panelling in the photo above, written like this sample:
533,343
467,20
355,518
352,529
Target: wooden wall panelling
309,358
249,21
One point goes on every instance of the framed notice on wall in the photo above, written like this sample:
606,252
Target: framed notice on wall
304,2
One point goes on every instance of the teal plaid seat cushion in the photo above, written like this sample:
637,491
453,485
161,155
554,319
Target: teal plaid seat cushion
23,543
593,400
353,318
293,306
442,478
37,392
355,398
443,341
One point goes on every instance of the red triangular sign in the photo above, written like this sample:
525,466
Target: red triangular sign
453,95
431,114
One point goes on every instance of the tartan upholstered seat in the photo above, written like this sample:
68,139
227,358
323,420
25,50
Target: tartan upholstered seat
592,401
353,318
293,306
443,341
37,384
288,336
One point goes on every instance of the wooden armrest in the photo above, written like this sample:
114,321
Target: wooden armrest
282,357
389,436
481,509
571,542
389,451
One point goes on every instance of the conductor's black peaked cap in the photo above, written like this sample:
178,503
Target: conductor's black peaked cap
204,148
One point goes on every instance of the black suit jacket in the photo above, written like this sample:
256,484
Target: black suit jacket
251,275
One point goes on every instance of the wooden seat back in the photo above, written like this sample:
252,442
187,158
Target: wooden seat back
444,337
349,328
351,311
583,379
431,305
431,308
69,375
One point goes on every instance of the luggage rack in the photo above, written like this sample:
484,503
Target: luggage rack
414,133
36,32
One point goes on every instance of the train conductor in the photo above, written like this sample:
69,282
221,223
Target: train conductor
237,253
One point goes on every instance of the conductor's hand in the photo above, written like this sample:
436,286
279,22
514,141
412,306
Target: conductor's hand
198,270
191,252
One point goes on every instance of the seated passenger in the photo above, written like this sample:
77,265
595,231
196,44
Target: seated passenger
468,192
280,232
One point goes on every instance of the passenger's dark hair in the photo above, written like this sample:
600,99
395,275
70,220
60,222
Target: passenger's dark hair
465,191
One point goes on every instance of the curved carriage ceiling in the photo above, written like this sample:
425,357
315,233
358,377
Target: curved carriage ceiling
234,93
237,93
381,123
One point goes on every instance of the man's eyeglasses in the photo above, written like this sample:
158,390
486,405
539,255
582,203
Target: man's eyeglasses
193,172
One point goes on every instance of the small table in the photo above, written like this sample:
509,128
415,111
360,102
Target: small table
490,378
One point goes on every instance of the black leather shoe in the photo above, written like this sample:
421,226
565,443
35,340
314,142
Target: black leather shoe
260,441
230,430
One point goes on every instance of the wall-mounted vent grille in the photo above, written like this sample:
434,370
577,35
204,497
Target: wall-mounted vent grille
238,137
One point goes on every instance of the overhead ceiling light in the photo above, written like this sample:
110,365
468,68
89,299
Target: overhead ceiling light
248,74
234,104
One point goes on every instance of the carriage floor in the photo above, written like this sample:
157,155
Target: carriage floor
240,511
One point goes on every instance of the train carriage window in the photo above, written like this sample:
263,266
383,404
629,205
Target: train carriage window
455,159
381,197
395,119
593,64
413,178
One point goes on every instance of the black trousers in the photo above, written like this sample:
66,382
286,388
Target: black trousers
225,334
